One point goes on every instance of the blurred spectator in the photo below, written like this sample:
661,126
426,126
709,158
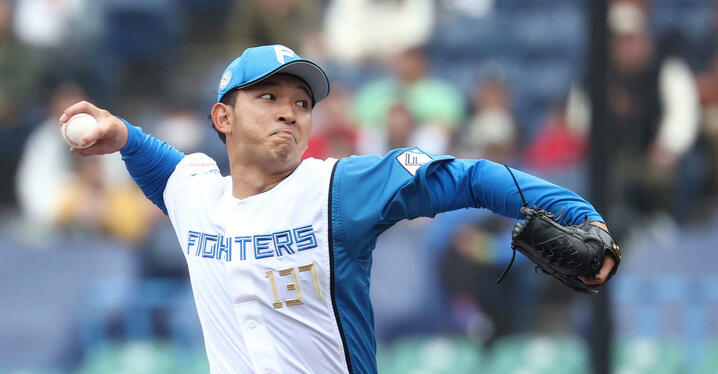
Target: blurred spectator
259,22
558,152
90,206
436,106
400,126
652,119
64,36
45,163
558,146
705,61
473,245
18,70
399,131
472,248
477,254
51,24
707,82
186,130
333,134
181,127
491,131
19,78
357,30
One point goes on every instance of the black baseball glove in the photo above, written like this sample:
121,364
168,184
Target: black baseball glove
564,252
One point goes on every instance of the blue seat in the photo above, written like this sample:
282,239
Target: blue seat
133,313
556,33
42,293
467,38
134,35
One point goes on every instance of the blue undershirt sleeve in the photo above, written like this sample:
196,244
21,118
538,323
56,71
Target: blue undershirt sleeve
486,184
150,162
371,193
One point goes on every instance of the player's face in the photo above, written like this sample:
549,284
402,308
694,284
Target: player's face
272,121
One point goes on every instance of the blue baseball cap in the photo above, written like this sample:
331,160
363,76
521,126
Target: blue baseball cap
257,63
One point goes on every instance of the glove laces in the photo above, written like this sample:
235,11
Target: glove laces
525,204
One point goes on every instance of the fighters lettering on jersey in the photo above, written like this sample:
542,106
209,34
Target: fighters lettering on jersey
219,247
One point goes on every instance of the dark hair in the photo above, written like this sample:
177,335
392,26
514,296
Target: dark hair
228,99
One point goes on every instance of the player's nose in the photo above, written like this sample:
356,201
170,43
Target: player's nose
285,114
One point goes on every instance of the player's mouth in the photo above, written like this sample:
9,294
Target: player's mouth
287,134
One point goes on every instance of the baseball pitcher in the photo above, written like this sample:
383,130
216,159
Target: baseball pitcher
280,251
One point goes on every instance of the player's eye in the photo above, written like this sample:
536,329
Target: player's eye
303,104
267,96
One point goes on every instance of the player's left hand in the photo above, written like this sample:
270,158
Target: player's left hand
608,264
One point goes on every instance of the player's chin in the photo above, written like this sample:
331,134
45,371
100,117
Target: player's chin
286,151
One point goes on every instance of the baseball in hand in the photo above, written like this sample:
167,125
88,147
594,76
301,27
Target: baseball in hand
76,127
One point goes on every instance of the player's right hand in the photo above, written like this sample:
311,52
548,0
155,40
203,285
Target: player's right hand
109,136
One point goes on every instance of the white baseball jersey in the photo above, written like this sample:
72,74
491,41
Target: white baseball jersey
260,268
281,279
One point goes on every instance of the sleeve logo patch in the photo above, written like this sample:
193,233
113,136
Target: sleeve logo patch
413,159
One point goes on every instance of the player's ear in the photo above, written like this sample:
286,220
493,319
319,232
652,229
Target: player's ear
222,118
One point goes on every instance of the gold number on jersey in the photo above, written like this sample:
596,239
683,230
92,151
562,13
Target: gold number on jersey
315,278
294,286
277,303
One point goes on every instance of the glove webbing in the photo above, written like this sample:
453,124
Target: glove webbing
525,204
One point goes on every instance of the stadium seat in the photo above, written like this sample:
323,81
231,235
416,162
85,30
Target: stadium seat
133,312
144,357
538,355
644,355
709,363
131,358
40,313
441,355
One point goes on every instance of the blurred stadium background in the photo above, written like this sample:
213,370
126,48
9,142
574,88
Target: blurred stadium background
617,100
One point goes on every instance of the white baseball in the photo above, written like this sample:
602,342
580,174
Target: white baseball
76,127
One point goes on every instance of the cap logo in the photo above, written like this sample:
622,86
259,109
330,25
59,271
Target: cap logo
225,80
282,51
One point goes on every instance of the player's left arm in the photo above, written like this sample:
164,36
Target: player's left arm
378,192
485,184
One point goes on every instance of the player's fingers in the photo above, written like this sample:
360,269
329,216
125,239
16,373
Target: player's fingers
80,107
82,151
608,265
96,133
94,150
600,224
602,276
590,281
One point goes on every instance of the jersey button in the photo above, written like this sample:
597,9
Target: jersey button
251,324
267,370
